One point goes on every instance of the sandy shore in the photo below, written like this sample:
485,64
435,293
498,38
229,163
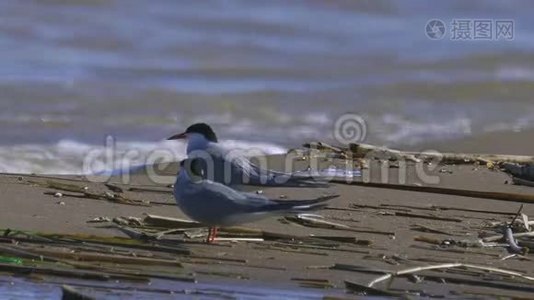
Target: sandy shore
25,206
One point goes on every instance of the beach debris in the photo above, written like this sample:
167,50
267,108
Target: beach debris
524,182
446,171
519,170
512,274
427,217
452,242
512,243
510,197
128,221
114,188
330,150
521,225
515,255
150,189
99,220
310,221
366,152
56,185
169,222
60,203
291,250
522,174
424,228
259,192
375,152
313,283
509,235
10,260
356,268
526,223
368,291
58,195
107,196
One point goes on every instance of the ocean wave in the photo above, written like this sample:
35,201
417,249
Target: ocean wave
398,130
68,157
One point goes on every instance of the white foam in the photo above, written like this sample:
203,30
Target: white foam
405,131
72,157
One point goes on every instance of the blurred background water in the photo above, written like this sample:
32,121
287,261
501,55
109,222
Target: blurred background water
272,72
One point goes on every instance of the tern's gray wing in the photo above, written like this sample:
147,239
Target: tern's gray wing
232,167
224,200
229,199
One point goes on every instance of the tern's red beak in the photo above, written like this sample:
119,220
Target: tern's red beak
178,136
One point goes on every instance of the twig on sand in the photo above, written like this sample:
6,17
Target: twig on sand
114,258
359,288
289,250
517,215
447,266
494,238
116,198
439,207
509,197
94,275
428,217
170,222
359,150
424,228
151,190
455,250
319,223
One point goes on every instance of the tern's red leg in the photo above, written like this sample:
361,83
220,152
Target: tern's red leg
215,231
212,233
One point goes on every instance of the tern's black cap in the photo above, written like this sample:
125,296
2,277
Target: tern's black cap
203,129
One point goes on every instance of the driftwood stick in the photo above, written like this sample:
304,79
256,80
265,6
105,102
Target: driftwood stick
438,208
517,215
359,288
428,217
494,238
363,150
447,266
510,197
119,259
318,223
424,228
170,222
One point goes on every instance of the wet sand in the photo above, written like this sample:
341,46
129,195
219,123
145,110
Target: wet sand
25,206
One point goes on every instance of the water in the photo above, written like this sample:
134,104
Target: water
277,73
50,288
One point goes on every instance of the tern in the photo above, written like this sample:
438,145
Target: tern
215,204
230,167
